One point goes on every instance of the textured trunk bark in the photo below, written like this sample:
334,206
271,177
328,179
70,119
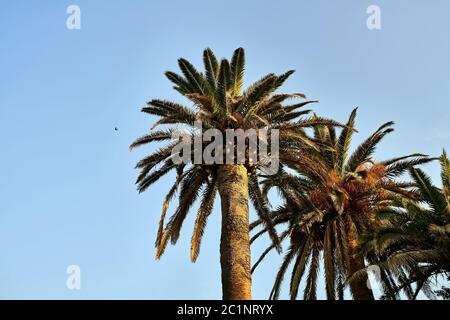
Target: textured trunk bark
358,287
235,242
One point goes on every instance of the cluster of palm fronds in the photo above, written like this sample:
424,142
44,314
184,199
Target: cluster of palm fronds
413,246
342,208
354,212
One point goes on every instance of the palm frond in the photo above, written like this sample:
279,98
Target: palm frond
365,150
328,257
300,265
310,292
222,85
267,251
261,208
166,204
161,135
344,141
275,293
398,167
189,191
237,71
181,84
430,193
194,77
211,69
155,176
256,92
204,211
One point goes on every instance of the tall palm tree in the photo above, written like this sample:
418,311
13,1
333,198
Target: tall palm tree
413,244
219,102
329,204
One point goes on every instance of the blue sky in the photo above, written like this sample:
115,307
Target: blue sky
67,193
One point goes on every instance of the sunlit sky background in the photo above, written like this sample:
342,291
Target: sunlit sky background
67,194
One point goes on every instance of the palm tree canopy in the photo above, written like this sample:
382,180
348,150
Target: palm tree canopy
218,100
330,201
413,244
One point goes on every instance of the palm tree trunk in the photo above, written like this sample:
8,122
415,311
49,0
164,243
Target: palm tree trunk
235,242
358,287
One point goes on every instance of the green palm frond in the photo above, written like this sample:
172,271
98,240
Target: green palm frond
222,86
256,92
268,250
344,142
309,123
166,204
432,195
254,98
237,71
189,191
300,265
275,293
328,257
262,209
211,69
161,135
204,211
293,107
310,292
194,77
170,112
156,175
151,161
365,150
397,167
181,84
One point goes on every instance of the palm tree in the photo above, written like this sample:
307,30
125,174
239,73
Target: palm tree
328,205
413,245
219,102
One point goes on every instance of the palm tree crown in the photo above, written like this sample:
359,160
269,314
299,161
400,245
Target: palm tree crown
413,244
329,204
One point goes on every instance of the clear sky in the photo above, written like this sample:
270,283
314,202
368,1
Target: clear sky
66,193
